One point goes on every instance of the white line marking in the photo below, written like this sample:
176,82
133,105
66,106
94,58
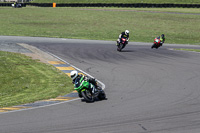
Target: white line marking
103,85
39,106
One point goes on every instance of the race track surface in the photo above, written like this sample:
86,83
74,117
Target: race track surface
148,90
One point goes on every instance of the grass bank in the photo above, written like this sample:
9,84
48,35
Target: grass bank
120,1
193,50
102,23
24,80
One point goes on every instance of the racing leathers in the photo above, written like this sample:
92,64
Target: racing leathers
90,80
162,40
122,35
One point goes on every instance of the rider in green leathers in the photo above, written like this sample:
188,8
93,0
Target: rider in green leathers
76,77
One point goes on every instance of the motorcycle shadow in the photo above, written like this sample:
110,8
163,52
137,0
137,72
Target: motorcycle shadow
127,51
95,100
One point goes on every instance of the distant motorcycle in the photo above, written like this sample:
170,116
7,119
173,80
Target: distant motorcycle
122,44
157,43
82,87
16,5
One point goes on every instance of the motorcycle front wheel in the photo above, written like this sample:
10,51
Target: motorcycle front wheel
120,47
154,46
87,95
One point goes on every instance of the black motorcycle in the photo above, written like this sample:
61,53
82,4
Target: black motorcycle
82,87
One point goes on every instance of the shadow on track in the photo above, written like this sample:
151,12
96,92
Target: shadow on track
96,100
127,51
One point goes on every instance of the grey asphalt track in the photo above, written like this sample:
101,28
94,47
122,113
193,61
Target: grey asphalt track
148,90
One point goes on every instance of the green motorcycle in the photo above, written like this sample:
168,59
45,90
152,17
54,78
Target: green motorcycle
87,90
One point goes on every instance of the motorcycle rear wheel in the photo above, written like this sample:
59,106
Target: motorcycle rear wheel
102,95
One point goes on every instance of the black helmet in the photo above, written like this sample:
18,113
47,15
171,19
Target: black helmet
162,36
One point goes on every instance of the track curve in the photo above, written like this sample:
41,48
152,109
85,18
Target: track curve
148,90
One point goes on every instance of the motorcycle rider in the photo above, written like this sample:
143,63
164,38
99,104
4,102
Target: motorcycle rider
124,34
74,75
162,39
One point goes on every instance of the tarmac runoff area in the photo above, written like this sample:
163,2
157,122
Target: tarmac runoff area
45,58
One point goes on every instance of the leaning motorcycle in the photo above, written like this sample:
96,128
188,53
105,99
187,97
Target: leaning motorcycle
82,87
157,43
121,45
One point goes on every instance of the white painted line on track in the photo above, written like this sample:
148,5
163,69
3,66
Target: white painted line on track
40,106
103,85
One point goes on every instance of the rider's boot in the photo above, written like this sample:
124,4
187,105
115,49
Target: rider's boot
117,43
94,82
93,90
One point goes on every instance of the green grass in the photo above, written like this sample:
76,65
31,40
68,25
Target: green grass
170,10
102,23
24,80
194,50
120,1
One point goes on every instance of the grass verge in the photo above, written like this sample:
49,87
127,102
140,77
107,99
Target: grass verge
193,50
24,80
102,23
